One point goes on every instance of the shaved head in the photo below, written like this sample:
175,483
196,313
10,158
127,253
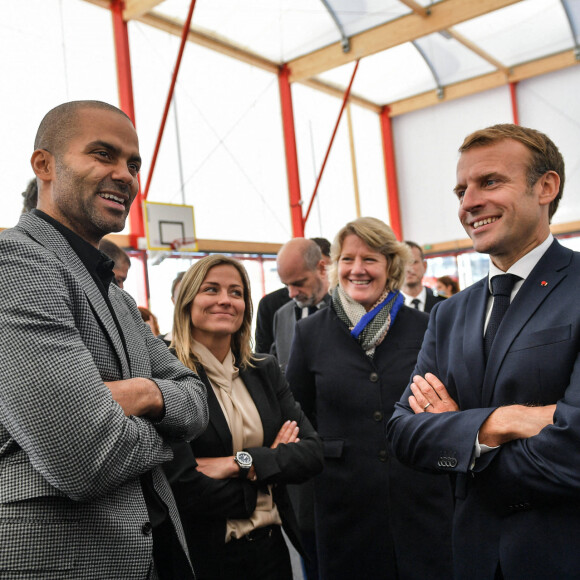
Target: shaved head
60,124
302,270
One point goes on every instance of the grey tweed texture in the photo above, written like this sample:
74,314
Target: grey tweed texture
71,504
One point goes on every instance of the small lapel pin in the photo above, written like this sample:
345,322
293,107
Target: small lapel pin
543,283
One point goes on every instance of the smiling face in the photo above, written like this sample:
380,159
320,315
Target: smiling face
94,179
503,215
362,271
415,270
217,310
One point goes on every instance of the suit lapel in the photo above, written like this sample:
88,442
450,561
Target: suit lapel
542,281
216,416
255,387
52,240
473,338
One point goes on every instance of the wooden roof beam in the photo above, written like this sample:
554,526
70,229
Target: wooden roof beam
175,27
477,50
485,82
405,29
135,8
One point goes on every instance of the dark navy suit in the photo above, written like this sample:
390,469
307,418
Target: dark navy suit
520,505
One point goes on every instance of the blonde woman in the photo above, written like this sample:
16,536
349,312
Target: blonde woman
230,482
348,366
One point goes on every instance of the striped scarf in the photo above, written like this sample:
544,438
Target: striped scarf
367,328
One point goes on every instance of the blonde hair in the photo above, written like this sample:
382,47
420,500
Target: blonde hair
378,236
183,326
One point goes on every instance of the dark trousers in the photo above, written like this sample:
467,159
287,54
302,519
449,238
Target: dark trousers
262,555
169,559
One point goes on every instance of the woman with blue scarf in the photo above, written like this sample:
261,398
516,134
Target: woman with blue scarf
349,365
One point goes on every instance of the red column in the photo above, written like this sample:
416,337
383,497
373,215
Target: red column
291,155
514,100
391,173
125,83
342,107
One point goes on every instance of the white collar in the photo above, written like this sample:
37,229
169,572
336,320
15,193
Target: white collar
524,265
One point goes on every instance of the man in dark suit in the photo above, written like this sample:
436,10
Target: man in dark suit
267,307
89,399
302,268
495,397
271,302
416,295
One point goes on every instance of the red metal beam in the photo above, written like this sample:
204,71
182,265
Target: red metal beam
291,155
391,174
125,84
344,101
184,34
514,100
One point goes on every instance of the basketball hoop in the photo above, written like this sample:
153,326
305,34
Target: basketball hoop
184,245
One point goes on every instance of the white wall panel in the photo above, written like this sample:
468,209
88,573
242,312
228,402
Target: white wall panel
426,144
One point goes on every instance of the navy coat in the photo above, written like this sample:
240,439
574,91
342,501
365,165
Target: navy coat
520,505
375,518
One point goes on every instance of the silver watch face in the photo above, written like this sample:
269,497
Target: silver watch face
244,459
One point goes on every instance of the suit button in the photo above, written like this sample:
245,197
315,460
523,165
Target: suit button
146,528
374,377
383,455
377,416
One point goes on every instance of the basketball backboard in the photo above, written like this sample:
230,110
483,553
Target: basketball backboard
170,227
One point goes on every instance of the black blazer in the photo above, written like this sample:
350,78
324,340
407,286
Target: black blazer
205,503
431,299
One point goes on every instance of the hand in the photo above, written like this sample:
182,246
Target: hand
515,422
430,395
137,396
218,467
287,434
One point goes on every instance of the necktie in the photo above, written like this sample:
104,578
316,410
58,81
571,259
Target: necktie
501,288
312,310
415,302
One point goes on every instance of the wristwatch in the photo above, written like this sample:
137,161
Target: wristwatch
244,460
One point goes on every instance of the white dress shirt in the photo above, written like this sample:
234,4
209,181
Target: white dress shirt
421,297
521,268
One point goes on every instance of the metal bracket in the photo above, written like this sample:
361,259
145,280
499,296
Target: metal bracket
345,40
440,90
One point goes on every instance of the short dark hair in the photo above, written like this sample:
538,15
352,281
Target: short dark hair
323,244
417,246
30,196
59,124
544,155
449,281
113,251
176,281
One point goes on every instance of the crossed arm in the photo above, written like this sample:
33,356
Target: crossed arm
138,396
226,467
503,425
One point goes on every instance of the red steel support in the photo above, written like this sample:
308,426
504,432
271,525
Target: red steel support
184,34
291,155
125,83
514,99
344,101
391,173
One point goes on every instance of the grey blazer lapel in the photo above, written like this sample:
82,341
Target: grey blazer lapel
542,281
52,240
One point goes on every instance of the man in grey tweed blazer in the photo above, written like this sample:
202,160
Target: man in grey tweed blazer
89,398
